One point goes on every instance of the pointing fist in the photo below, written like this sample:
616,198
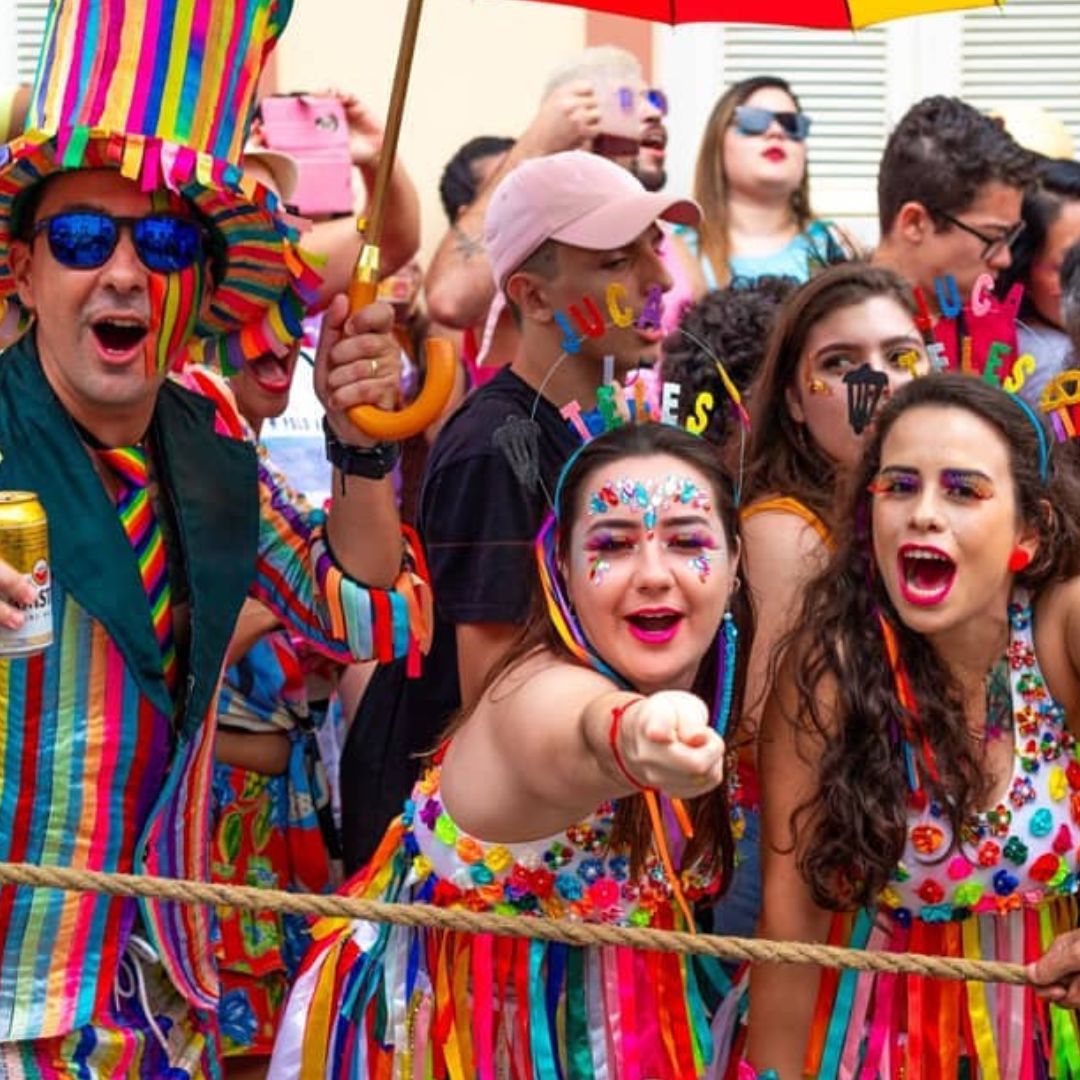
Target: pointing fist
665,742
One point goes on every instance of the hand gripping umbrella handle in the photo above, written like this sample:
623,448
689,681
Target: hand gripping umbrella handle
438,382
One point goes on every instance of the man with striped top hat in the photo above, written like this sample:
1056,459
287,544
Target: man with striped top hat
126,231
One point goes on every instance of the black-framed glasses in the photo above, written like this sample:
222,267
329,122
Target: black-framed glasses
750,120
992,245
86,239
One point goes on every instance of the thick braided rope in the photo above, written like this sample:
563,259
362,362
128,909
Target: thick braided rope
755,950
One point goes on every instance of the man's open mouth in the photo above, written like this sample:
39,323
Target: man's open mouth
926,574
119,337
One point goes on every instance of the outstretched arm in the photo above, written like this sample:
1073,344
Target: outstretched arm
548,740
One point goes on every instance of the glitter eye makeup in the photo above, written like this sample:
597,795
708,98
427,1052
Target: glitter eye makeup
818,387
966,484
894,482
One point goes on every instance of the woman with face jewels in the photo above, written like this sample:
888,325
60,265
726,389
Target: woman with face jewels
541,800
752,183
918,762
802,448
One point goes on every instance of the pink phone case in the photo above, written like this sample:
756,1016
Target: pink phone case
313,131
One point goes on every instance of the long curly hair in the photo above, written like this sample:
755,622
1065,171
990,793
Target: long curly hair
712,846
783,458
710,180
851,832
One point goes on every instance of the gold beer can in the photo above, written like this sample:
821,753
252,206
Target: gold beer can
24,545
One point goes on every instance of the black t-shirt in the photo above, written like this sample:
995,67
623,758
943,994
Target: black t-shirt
486,488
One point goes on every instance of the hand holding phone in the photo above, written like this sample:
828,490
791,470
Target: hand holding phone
314,131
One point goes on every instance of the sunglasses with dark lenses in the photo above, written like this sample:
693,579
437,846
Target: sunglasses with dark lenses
86,239
750,120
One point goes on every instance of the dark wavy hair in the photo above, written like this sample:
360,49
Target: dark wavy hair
783,459
458,186
712,846
734,323
1058,184
940,153
851,831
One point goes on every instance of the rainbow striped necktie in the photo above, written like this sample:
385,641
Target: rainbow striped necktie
129,465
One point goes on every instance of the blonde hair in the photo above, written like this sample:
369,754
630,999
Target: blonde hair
710,183
606,61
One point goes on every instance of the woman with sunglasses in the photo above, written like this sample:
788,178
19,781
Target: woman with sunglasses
802,449
752,184
546,799
918,752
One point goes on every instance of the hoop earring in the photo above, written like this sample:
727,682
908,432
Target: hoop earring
727,642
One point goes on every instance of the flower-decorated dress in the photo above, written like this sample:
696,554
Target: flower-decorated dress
1003,891
374,1000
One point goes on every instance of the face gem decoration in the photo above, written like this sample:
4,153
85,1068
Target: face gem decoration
598,568
701,564
650,497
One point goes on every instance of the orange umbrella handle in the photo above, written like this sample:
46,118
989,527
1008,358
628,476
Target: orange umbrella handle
429,403
441,368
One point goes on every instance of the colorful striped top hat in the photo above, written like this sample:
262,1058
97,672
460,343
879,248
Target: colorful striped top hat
162,91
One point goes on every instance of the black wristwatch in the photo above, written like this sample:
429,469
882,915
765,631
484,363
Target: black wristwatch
370,462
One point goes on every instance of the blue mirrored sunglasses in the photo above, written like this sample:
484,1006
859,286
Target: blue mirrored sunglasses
750,120
654,98
86,239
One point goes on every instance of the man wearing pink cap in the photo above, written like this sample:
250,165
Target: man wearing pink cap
560,231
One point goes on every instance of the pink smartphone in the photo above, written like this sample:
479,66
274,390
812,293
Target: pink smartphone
312,130
620,118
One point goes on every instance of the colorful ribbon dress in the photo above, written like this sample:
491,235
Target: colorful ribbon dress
1001,892
374,1000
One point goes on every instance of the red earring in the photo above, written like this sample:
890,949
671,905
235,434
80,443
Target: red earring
1019,559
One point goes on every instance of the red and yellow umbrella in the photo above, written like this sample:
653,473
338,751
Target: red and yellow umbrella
814,14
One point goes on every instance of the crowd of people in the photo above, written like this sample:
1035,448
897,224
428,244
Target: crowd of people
734,589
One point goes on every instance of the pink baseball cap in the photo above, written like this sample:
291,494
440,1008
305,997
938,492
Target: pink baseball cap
575,198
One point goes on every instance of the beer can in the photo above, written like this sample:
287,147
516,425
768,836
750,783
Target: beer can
24,545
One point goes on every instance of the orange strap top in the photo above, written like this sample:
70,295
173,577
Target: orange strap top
787,504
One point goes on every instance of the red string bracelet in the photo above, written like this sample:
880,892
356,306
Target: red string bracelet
613,742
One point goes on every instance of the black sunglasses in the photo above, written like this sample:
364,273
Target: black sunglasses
993,245
86,239
750,120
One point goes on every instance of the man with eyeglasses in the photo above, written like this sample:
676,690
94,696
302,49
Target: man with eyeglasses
950,189
126,229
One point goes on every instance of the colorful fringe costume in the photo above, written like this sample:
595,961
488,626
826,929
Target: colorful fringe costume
102,767
1002,893
380,1001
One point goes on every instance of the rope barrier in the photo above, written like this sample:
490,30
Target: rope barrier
755,950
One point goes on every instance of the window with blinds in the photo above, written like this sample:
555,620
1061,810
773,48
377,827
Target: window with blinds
30,16
1028,52
840,80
